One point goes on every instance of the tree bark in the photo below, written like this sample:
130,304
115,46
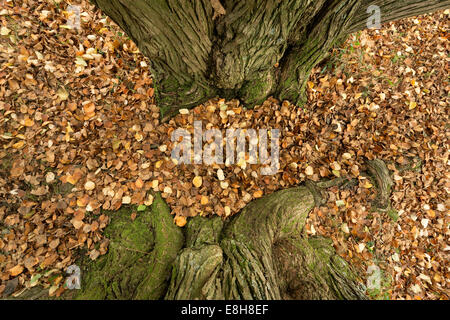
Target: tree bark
249,50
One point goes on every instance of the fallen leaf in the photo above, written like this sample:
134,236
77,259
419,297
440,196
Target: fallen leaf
180,221
197,181
15,271
258,194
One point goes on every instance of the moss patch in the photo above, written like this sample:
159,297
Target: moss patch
139,253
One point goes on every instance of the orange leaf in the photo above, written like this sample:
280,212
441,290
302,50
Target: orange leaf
14,271
258,194
204,200
139,183
180,221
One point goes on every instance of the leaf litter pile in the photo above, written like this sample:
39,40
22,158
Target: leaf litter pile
80,137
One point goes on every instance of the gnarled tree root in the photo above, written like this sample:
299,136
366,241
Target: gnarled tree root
260,253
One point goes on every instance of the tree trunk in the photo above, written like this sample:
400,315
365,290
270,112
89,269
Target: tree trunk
243,49
262,253
248,50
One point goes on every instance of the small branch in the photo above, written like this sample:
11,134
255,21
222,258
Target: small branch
378,170
333,183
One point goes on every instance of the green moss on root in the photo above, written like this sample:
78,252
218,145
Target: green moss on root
139,253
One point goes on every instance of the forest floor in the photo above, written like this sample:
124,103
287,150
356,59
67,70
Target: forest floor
80,135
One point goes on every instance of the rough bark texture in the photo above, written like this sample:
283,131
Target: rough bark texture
262,254
242,49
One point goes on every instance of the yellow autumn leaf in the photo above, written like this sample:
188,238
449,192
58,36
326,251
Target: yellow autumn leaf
18,145
72,179
20,136
28,122
197,181
368,185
